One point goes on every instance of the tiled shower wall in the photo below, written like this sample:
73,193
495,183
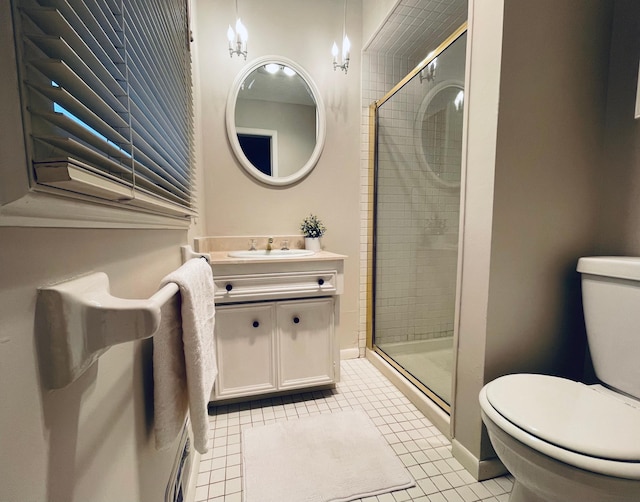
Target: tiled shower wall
417,219
380,72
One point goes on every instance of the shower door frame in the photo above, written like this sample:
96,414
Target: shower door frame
371,227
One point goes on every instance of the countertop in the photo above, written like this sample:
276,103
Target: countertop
223,258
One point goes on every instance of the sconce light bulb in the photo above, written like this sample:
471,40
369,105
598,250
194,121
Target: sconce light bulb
242,31
231,34
459,101
288,71
334,51
272,68
346,47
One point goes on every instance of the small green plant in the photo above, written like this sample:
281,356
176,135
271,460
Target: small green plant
311,226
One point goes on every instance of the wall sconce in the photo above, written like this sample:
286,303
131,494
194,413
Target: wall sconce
346,46
238,38
428,73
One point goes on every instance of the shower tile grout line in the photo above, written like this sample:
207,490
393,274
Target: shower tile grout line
419,445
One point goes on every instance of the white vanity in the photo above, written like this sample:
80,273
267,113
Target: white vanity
275,322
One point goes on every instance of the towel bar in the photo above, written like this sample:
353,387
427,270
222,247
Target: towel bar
188,253
79,319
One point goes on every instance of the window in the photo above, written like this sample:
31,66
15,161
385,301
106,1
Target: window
106,88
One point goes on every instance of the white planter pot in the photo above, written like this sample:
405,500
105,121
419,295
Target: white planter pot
312,243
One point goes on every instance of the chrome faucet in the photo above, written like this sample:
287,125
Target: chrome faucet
269,243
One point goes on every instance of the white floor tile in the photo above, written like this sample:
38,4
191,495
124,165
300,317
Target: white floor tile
424,451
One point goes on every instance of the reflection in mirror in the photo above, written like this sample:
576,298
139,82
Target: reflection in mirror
260,148
438,132
275,121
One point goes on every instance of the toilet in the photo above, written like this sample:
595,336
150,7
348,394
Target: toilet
564,441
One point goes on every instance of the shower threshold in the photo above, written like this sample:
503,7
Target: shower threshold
436,412
428,364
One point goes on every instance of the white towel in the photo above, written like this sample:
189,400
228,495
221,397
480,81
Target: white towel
184,360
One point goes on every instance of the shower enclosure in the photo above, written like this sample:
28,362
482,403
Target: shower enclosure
417,158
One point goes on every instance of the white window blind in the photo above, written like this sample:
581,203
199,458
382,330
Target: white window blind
107,99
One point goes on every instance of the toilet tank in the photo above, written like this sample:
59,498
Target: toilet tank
611,303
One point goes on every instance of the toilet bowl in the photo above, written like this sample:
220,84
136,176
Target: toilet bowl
564,441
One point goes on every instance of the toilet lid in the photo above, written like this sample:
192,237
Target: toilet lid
568,414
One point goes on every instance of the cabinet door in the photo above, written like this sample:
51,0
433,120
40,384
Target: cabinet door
305,343
246,350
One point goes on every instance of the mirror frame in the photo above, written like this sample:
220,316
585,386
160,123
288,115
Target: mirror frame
417,131
232,130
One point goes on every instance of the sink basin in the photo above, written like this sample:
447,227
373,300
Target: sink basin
261,254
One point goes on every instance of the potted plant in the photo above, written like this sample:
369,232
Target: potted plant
312,229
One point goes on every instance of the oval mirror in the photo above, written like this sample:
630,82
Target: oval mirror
275,120
438,133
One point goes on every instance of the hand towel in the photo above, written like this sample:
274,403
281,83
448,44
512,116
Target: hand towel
184,359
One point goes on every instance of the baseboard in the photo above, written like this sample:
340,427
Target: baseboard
428,408
479,469
353,353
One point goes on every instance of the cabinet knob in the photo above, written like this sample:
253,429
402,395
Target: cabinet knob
255,324
320,281
296,320
229,287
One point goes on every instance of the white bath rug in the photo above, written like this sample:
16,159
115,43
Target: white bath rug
334,457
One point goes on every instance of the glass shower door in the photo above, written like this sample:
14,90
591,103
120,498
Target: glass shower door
417,210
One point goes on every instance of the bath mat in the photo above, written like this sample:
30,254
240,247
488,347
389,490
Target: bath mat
335,457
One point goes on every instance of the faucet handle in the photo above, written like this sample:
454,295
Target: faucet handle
284,245
252,244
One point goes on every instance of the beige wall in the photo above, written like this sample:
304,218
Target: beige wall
234,203
481,107
619,173
531,192
93,439
549,151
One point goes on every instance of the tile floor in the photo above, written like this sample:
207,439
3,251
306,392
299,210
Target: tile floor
425,452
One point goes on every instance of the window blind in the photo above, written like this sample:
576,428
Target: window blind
107,99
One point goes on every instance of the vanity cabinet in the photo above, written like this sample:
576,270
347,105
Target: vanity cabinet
275,326
245,350
305,343
273,346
